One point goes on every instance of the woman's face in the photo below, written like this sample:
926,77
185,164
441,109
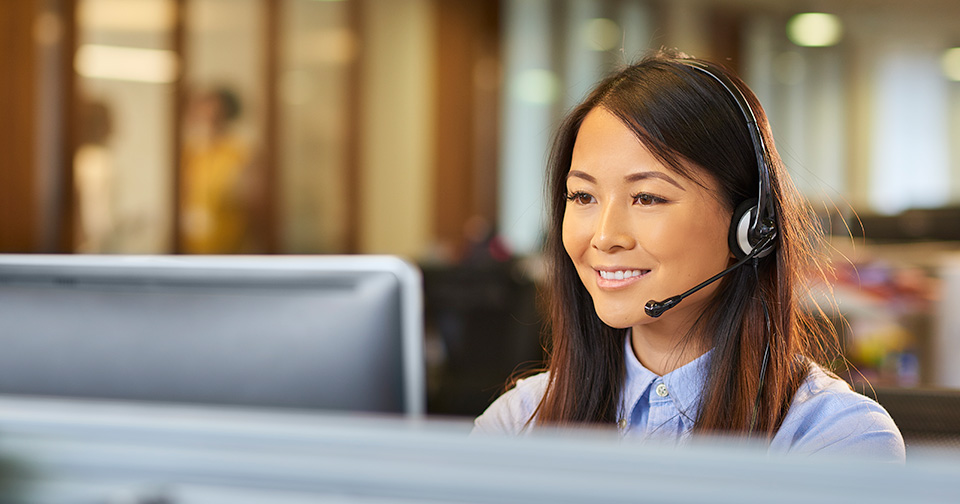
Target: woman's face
635,229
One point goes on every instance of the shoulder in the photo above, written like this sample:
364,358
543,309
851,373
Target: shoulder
827,416
510,413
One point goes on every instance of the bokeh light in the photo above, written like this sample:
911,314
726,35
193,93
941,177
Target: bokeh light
950,63
536,86
601,34
815,29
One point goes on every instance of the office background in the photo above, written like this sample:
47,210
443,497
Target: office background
420,128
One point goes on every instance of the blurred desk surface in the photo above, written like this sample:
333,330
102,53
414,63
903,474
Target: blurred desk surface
60,451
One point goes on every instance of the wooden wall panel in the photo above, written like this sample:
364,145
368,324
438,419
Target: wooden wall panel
271,147
18,181
468,66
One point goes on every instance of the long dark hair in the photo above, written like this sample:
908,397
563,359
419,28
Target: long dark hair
683,116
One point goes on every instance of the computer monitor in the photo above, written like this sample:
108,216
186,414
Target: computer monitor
323,332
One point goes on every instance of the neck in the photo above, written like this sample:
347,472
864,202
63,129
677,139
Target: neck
666,345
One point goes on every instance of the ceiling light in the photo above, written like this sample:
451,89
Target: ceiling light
126,64
125,15
814,29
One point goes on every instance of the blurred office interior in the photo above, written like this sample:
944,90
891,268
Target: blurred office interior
420,128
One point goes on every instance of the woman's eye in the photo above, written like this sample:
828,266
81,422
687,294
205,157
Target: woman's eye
579,197
644,199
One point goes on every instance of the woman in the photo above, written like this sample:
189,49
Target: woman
647,178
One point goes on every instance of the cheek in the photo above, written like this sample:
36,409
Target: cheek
573,236
697,241
713,233
571,244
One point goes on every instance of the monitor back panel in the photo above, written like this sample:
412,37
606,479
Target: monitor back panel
308,333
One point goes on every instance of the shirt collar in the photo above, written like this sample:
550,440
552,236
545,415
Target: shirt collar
685,383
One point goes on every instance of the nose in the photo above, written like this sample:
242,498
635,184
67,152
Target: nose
613,230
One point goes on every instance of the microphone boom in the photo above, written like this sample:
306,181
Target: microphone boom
656,308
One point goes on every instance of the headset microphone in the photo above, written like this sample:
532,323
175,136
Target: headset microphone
656,308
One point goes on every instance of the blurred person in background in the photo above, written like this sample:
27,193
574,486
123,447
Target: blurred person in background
94,179
219,189
665,185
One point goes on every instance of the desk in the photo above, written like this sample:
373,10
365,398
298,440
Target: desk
107,452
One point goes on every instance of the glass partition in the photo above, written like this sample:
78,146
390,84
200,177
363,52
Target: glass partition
126,70
317,49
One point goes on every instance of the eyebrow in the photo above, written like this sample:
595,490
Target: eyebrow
633,177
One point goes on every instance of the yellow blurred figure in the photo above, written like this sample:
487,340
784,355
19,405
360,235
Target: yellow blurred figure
217,184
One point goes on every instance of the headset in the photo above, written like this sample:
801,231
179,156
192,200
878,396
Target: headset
753,228
754,220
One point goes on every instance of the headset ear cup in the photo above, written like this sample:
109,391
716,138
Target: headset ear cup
738,238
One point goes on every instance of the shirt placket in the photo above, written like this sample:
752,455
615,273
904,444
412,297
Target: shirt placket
664,418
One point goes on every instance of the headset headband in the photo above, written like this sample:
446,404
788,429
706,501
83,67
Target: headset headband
763,221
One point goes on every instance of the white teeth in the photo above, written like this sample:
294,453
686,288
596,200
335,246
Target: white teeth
619,275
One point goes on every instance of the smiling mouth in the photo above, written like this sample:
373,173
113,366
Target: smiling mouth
621,274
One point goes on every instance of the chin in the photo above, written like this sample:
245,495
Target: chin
618,320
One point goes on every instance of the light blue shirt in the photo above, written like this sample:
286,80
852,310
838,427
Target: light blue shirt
826,416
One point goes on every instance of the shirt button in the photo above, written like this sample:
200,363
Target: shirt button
622,423
662,390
